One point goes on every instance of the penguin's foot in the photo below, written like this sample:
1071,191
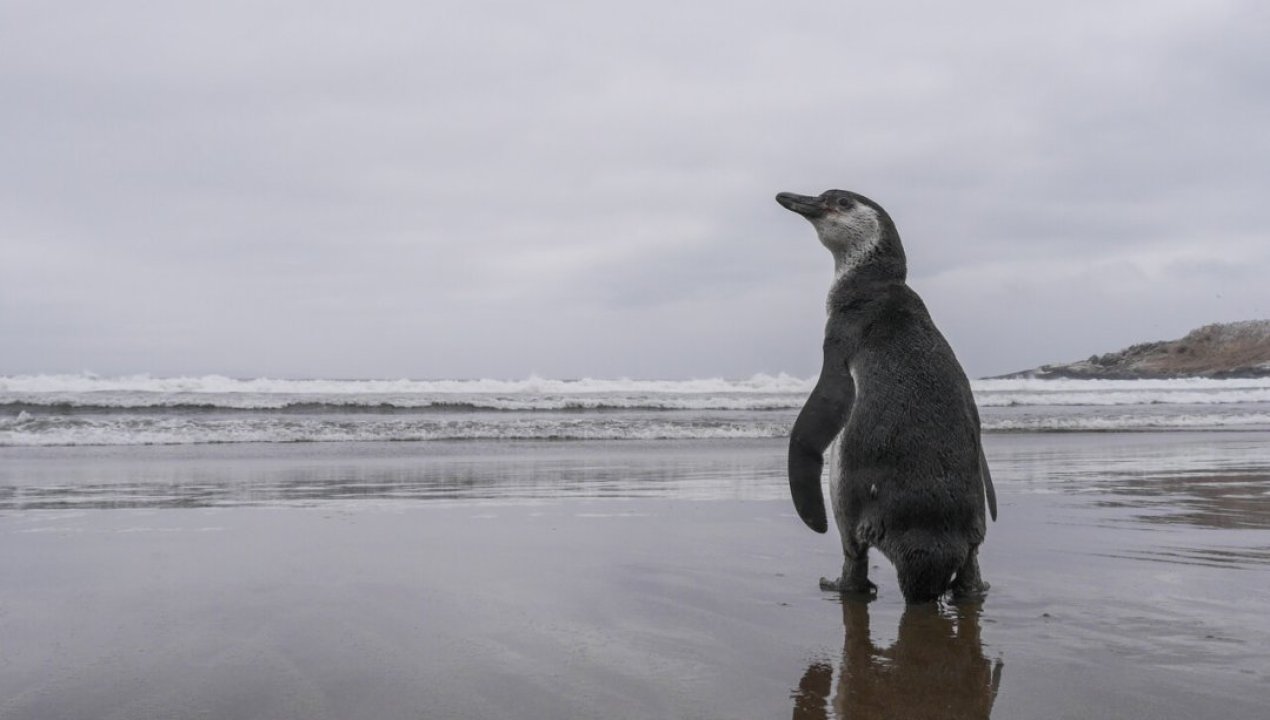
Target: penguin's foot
971,592
969,586
859,588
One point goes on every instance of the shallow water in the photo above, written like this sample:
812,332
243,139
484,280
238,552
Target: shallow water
1214,478
635,579
377,474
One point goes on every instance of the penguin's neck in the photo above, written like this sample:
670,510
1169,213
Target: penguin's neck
843,265
867,264
864,251
863,276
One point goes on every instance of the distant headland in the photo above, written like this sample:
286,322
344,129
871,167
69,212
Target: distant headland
1221,350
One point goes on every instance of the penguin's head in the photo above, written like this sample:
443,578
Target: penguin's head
854,228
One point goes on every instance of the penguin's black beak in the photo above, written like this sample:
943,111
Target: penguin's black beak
808,207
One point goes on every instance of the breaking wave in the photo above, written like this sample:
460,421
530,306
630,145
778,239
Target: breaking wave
84,409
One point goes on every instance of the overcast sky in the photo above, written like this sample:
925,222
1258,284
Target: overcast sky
494,189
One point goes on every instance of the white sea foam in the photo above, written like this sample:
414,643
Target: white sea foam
523,402
90,410
191,431
214,391
218,384
186,430
1187,391
1119,422
760,392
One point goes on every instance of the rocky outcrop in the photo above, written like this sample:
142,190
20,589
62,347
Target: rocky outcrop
1221,350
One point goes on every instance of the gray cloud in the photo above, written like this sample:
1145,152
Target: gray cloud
585,189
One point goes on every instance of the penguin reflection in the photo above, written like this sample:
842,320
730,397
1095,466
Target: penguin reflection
935,669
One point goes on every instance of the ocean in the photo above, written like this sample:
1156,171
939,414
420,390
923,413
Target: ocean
538,548
85,409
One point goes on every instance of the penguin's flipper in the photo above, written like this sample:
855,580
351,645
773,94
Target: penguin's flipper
988,490
820,421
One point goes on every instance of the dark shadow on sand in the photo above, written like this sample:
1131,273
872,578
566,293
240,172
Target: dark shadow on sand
935,669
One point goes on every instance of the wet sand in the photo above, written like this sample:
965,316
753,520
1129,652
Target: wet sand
627,580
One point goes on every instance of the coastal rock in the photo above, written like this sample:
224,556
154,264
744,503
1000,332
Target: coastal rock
1220,350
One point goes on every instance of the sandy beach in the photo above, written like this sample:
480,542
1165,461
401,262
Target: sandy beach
623,580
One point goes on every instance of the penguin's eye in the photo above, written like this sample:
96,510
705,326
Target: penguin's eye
844,203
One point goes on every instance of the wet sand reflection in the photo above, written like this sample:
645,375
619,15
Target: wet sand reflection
935,669
1232,500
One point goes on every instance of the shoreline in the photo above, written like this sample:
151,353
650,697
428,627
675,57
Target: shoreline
618,580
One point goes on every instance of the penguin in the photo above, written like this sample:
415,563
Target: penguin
907,474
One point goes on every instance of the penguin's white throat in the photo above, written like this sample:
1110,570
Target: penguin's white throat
852,236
